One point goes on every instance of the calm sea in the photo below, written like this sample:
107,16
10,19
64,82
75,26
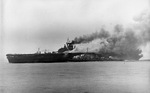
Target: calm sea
88,77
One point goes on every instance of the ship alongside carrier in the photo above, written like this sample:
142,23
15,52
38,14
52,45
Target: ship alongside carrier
62,55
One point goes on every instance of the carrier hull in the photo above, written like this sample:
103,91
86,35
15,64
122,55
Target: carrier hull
58,58
36,58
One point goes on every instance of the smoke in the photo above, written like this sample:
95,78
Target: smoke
92,46
88,38
143,26
123,43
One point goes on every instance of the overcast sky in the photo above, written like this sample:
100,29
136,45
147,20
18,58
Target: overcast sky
29,24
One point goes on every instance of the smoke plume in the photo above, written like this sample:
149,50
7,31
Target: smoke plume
122,43
143,26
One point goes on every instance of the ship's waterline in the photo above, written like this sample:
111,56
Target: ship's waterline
87,77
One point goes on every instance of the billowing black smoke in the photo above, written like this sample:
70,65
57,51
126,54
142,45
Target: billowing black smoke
121,44
88,38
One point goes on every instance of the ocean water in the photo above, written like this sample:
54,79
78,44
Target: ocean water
87,77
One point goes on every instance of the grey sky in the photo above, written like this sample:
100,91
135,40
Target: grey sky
29,24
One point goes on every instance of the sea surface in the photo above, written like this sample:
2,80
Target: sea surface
87,77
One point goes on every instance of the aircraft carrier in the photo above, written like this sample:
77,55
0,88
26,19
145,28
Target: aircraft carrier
62,55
